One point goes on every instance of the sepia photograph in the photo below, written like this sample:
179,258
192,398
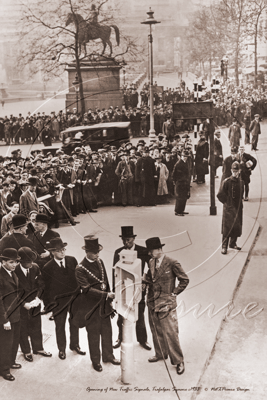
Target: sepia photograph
133,194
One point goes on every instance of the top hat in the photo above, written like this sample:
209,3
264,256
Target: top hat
42,218
26,254
55,244
33,180
127,231
235,166
19,220
154,243
91,244
10,254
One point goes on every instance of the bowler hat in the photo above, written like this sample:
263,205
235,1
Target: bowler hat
33,180
127,231
154,243
10,254
26,254
234,149
55,244
19,220
91,244
42,218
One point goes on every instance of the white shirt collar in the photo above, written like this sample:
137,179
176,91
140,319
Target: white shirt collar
42,233
61,261
90,261
24,270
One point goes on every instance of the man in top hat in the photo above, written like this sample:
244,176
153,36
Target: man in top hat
31,287
181,178
41,236
18,238
255,129
128,239
95,309
161,301
231,195
9,313
28,200
60,287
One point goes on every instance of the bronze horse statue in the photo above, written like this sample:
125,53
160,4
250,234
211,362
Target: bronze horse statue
90,31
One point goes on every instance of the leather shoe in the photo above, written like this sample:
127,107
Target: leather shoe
180,368
113,361
185,213
9,377
28,357
117,344
224,251
98,367
235,247
155,359
62,355
146,345
78,350
15,366
43,353
93,211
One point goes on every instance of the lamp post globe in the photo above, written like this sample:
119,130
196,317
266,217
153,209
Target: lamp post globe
151,21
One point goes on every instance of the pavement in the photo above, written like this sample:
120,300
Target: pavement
219,347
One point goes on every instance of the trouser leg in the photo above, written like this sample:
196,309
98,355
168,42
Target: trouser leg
60,322
140,326
161,348
93,328
74,334
225,241
106,339
169,326
35,333
24,333
15,327
233,240
246,189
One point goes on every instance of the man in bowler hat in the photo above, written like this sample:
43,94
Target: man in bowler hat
9,313
161,302
60,288
40,237
128,239
18,238
31,286
95,308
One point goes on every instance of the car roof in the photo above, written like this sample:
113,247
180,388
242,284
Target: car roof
106,125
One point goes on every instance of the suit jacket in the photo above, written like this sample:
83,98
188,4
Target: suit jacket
15,241
92,297
54,285
40,242
162,283
5,223
255,128
27,204
9,309
34,283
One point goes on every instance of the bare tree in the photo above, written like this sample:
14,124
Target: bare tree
48,45
255,11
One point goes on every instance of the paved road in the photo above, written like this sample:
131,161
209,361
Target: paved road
195,240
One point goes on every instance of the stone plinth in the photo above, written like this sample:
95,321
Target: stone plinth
101,84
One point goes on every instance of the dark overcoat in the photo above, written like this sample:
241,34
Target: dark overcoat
202,152
231,195
245,170
181,179
144,174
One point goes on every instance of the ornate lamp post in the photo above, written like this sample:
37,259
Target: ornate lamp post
76,85
151,21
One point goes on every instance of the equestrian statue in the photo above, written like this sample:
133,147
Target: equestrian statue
90,30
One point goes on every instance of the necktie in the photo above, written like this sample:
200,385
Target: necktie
27,274
61,264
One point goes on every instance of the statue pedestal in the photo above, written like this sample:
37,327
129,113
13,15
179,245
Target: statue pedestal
101,84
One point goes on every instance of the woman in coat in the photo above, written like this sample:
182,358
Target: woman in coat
201,160
162,174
